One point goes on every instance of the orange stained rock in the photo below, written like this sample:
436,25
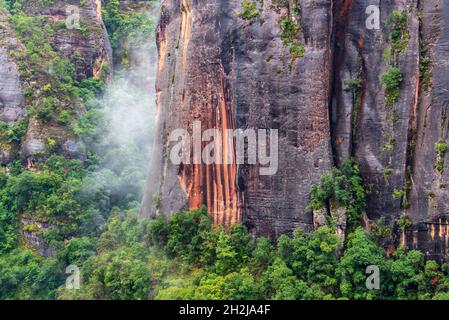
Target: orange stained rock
196,197
390,250
162,49
100,62
344,8
186,27
98,8
415,239
416,99
403,238
337,141
30,164
360,42
215,184
339,34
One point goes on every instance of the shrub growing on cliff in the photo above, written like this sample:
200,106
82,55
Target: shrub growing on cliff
440,149
400,37
127,30
342,187
290,30
404,222
249,10
392,79
425,70
296,52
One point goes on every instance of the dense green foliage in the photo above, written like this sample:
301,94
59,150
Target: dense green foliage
61,204
186,257
56,195
392,79
342,187
86,213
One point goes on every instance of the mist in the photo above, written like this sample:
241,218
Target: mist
126,127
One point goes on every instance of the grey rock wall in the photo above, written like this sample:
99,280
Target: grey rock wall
321,116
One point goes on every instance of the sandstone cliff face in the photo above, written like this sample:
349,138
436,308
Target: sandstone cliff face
362,129
230,73
231,70
310,69
88,41
365,126
396,145
12,98
429,194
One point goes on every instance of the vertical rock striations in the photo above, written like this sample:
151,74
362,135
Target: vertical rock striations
401,144
192,86
275,90
366,125
429,175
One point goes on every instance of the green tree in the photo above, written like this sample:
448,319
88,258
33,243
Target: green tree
227,259
342,187
360,253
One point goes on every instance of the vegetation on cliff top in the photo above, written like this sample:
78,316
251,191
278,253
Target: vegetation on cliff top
127,30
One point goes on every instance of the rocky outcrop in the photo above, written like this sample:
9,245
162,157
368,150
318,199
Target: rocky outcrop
80,33
429,195
364,125
31,237
395,144
35,81
12,98
80,37
312,70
